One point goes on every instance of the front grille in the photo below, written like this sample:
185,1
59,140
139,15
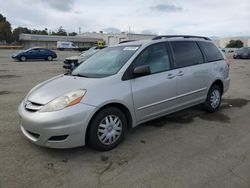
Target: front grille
69,61
32,106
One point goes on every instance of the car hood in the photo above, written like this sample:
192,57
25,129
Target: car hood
18,53
56,87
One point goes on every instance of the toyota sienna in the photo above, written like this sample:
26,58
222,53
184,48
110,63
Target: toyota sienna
123,86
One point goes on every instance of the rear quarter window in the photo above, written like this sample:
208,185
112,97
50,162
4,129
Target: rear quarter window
211,51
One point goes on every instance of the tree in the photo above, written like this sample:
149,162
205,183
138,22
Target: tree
2,19
60,32
19,30
40,32
72,34
234,44
5,29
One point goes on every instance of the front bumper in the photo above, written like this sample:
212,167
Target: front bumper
226,84
69,61
60,129
14,57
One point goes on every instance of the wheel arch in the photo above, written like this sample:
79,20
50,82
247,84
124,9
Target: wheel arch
219,83
120,106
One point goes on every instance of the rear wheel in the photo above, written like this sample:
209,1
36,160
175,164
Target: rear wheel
213,100
107,129
23,58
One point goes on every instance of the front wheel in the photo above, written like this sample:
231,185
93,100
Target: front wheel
107,129
49,58
23,58
213,100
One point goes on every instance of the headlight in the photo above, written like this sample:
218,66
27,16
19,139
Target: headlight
64,101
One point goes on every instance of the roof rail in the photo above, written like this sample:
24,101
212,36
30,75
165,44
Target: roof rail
125,41
176,36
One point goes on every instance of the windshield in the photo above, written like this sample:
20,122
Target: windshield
106,62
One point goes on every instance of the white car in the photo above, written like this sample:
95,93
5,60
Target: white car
66,45
71,63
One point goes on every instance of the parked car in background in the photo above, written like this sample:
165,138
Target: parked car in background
123,86
71,63
35,53
61,45
242,53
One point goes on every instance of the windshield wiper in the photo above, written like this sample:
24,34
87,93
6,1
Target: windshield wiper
79,75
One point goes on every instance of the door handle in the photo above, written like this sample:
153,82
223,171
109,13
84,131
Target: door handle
170,76
180,73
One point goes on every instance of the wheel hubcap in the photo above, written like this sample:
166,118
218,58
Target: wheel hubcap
109,130
215,98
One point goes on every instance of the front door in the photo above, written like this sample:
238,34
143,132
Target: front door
153,95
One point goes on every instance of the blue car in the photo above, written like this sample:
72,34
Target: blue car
35,53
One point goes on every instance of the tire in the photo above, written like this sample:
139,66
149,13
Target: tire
23,58
107,129
213,100
49,58
236,57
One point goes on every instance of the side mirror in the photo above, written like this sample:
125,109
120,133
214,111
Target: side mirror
142,70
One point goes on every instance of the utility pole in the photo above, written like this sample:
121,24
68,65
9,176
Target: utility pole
128,31
79,30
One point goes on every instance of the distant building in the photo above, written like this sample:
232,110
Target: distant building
116,38
85,40
50,41
222,42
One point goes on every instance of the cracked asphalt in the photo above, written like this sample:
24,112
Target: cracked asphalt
189,149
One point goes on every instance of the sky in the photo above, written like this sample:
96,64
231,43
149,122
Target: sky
197,17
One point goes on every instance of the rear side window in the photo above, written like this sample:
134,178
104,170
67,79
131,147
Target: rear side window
43,51
211,51
186,53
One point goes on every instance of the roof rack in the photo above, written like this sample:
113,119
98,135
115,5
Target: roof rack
175,36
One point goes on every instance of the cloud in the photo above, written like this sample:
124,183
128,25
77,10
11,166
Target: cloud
112,30
156,16
146,31
62,5
167,8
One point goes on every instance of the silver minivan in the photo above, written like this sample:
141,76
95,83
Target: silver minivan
121,87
